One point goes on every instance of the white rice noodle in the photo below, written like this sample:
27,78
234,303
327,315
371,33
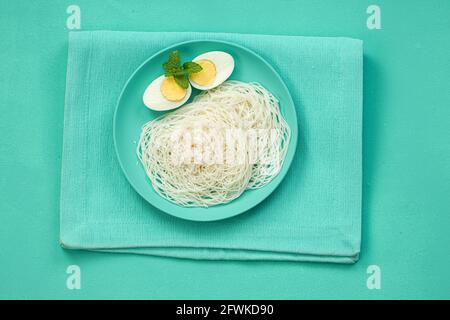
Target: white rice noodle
189,154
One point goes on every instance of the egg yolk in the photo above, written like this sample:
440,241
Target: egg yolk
206,75
171,90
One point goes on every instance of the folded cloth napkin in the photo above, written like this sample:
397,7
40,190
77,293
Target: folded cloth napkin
315,213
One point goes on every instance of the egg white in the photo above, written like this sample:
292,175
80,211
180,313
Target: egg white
224,64
154,99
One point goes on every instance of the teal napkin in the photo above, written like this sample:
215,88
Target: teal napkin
315,213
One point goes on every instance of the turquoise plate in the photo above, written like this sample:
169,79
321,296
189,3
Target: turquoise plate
131,115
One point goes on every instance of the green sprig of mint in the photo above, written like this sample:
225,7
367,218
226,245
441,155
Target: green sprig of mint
173,67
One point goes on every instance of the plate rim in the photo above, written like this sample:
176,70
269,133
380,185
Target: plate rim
293,139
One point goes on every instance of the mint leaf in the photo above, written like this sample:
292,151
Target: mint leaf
173,64
180,72
192,67
182,81
173,67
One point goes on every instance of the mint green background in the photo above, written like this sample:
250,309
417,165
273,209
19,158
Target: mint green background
406,196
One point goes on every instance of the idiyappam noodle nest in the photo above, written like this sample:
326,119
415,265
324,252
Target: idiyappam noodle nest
208,152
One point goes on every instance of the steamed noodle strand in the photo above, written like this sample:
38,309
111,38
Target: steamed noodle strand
242,107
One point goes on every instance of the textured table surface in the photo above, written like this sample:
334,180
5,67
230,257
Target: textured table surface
406,207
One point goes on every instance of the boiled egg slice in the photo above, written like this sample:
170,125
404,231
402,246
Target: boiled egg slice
217,67
165,94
